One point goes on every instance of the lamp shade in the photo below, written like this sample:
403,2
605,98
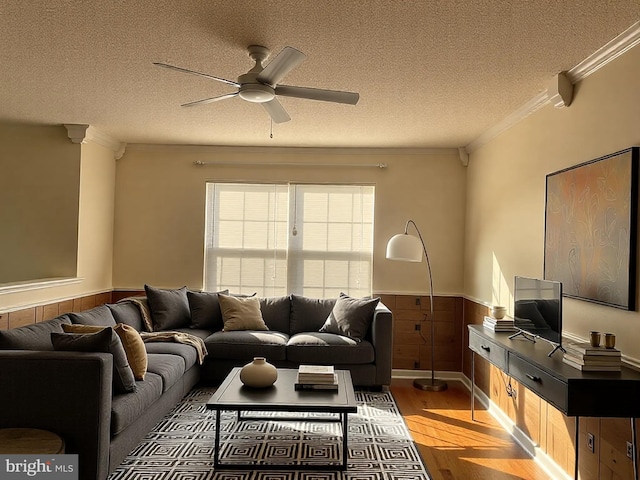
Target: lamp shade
404,247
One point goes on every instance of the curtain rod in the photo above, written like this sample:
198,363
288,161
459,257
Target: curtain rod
201,163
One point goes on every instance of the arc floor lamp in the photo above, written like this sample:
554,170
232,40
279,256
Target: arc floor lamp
408,248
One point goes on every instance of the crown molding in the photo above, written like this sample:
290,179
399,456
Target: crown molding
514,118
292,150
612,50
82,133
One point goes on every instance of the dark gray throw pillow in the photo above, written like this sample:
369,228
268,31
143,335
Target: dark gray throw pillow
169,308
106,341
205,310
351,317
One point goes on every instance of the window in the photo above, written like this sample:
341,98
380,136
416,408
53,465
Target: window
313,240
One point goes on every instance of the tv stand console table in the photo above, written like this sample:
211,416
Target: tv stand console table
573,392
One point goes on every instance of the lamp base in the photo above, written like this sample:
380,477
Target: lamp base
430,385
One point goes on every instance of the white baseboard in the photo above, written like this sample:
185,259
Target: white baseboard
530,447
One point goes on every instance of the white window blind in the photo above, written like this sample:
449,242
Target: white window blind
313,240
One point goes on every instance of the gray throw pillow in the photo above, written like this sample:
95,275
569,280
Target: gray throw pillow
169,308
351,317
106,341
205,310
100,316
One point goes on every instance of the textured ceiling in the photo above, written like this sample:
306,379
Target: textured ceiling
429,73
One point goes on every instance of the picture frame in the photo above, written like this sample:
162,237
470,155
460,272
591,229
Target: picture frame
591,217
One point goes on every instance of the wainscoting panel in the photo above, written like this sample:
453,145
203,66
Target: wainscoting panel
40,313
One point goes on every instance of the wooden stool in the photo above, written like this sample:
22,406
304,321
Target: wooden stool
25,441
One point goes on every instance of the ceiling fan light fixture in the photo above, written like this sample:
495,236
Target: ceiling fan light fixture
257,93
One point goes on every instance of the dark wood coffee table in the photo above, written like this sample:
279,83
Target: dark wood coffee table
282,397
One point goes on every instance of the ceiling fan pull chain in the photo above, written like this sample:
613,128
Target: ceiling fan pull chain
271,132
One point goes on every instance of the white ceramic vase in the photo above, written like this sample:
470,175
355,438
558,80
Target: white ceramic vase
259,373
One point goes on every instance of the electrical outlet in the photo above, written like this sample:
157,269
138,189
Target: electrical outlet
417,300
418,327
629,450
416,364
591,443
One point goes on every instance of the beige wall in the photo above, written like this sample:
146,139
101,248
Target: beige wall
94,188
506,191
40,171
160,208
96,218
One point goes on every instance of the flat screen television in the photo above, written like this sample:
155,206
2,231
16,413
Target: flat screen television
537,309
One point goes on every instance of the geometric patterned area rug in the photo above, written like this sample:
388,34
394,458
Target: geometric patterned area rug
181,446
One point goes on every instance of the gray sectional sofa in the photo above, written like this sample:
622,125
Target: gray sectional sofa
73,393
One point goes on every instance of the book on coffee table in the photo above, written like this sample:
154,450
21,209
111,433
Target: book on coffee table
316,374
328,387
316,377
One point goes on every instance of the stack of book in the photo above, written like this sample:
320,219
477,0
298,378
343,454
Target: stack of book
502,325
316,377
587,358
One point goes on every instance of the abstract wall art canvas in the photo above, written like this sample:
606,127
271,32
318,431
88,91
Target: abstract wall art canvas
591,229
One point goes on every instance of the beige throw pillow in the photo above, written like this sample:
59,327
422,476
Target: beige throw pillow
241,313
131,342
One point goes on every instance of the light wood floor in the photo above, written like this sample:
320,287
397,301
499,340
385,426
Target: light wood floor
455,447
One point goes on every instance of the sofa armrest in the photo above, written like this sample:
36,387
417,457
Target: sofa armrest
382,339
68,393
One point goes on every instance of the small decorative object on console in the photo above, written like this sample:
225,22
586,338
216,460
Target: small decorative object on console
498,312
259,373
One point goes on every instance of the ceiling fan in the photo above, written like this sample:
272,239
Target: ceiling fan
260,84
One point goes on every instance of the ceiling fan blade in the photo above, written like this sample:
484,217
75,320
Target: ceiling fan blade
285,61
336,96
277,112
193,72
204,101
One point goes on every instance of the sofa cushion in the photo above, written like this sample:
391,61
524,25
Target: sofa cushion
96,316
106,340
128,313
319,348
246,344
187,352
205,310
131,342
195,332
241,313
36,336
309,314
351,317
142,303
169,308
275,313
127,408
169,367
